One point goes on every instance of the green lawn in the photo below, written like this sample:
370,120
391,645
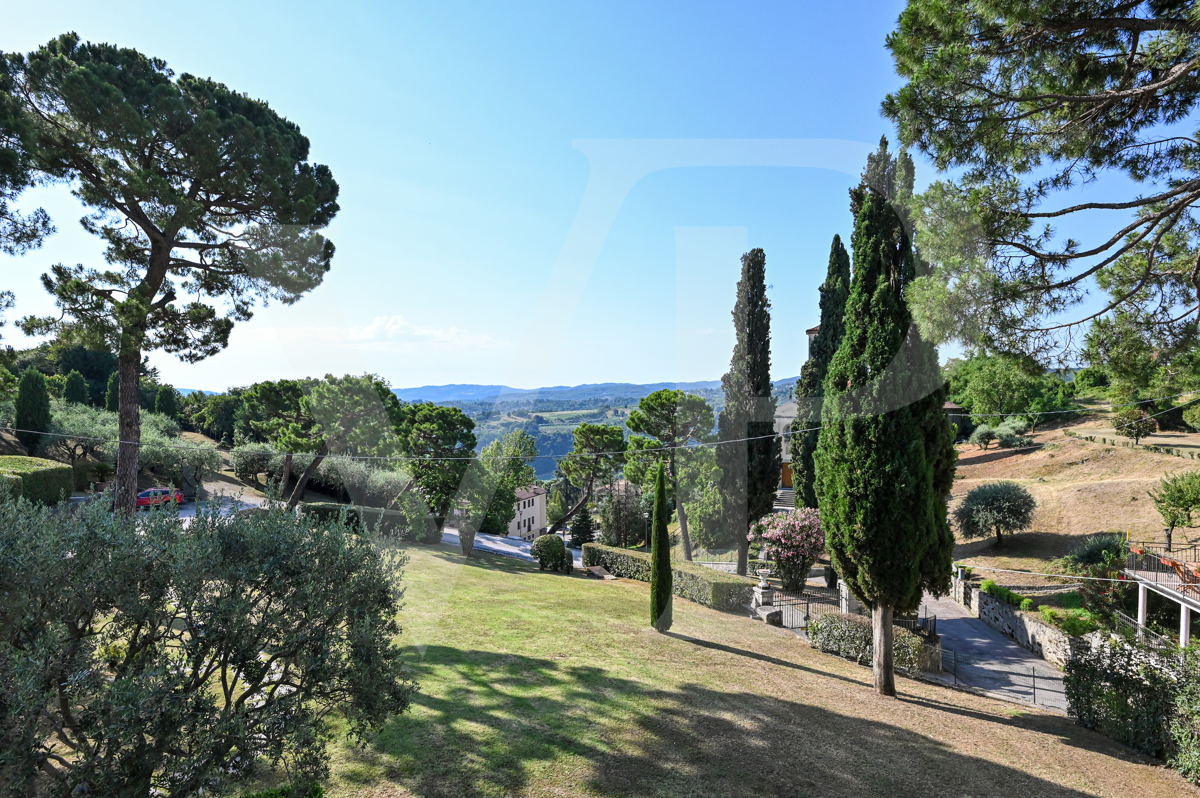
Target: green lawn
538,684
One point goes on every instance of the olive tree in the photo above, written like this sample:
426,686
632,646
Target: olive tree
150,657
200,194
1177,500
997,508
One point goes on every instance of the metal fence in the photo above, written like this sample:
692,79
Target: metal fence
1009,680
1130,628
1173,569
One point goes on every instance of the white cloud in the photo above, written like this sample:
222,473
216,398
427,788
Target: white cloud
384,333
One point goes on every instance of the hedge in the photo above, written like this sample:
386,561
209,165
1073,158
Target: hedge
696,583
1002,593
392,523
850,636
38,480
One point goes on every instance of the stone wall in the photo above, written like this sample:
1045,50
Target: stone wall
1048,642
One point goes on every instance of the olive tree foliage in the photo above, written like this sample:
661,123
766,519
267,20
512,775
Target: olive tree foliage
201,195
997,508
1134,422
150,657
1028,101
1177,500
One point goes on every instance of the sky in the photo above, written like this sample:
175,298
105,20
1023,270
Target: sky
532,194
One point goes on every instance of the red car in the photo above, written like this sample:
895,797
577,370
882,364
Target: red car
156,496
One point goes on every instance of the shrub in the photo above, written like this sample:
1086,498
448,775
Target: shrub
40,481
1091,377
999,591
550,552
1098,549
33,408
583,530
1026,605
1116,689
317,600
982,436
389,523
794,540
1077,625
696,583
1133,422
251,460
850,636
998,507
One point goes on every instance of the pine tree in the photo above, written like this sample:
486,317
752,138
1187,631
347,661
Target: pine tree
582,528
112,396
877,455
834,292
32,409
76,390
165,403
750,469
660,558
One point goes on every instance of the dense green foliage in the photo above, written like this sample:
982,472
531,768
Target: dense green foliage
394,524
660,557
32,409
621,519
696,583
36,480
834,293
597,456
1097,549
880,492
166,402
997,388
76,389
550,552
112,394
999,508
849,636
132,652
749,457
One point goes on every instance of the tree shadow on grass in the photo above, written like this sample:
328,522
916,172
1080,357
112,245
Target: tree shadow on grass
1040,545
501,722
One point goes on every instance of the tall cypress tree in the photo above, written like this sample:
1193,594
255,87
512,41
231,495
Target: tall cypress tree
76,389
750,469
877,454
112,396
660,558
32,408
834,292
582,529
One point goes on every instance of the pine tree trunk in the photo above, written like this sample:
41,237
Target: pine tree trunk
298,493
560,523
884,663
743,561
129,429
679,508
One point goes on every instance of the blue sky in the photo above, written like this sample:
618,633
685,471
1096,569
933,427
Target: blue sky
464,138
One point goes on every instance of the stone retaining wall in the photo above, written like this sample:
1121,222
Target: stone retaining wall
1048,642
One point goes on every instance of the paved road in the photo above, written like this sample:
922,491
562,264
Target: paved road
989,660
511,547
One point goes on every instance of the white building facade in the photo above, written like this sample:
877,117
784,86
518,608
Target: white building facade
530,520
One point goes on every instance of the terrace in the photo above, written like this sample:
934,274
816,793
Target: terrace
1172,573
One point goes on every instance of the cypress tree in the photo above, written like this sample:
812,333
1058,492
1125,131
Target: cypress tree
582,528
76,389
660,558
112,396
750,469
834,292
165,402
32,408
875,466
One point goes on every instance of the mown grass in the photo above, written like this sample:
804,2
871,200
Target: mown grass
539,684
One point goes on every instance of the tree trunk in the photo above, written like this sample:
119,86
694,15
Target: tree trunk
287,474
129,428
683,530
884,663
1170,530
298,493
743,561
999,537
560,523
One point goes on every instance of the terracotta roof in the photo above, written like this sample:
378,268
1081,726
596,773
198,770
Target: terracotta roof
530,492
813,330
952,406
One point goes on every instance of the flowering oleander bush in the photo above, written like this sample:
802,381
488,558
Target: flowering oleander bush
794,540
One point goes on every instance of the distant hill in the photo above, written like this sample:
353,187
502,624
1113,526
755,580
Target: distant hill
557,393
